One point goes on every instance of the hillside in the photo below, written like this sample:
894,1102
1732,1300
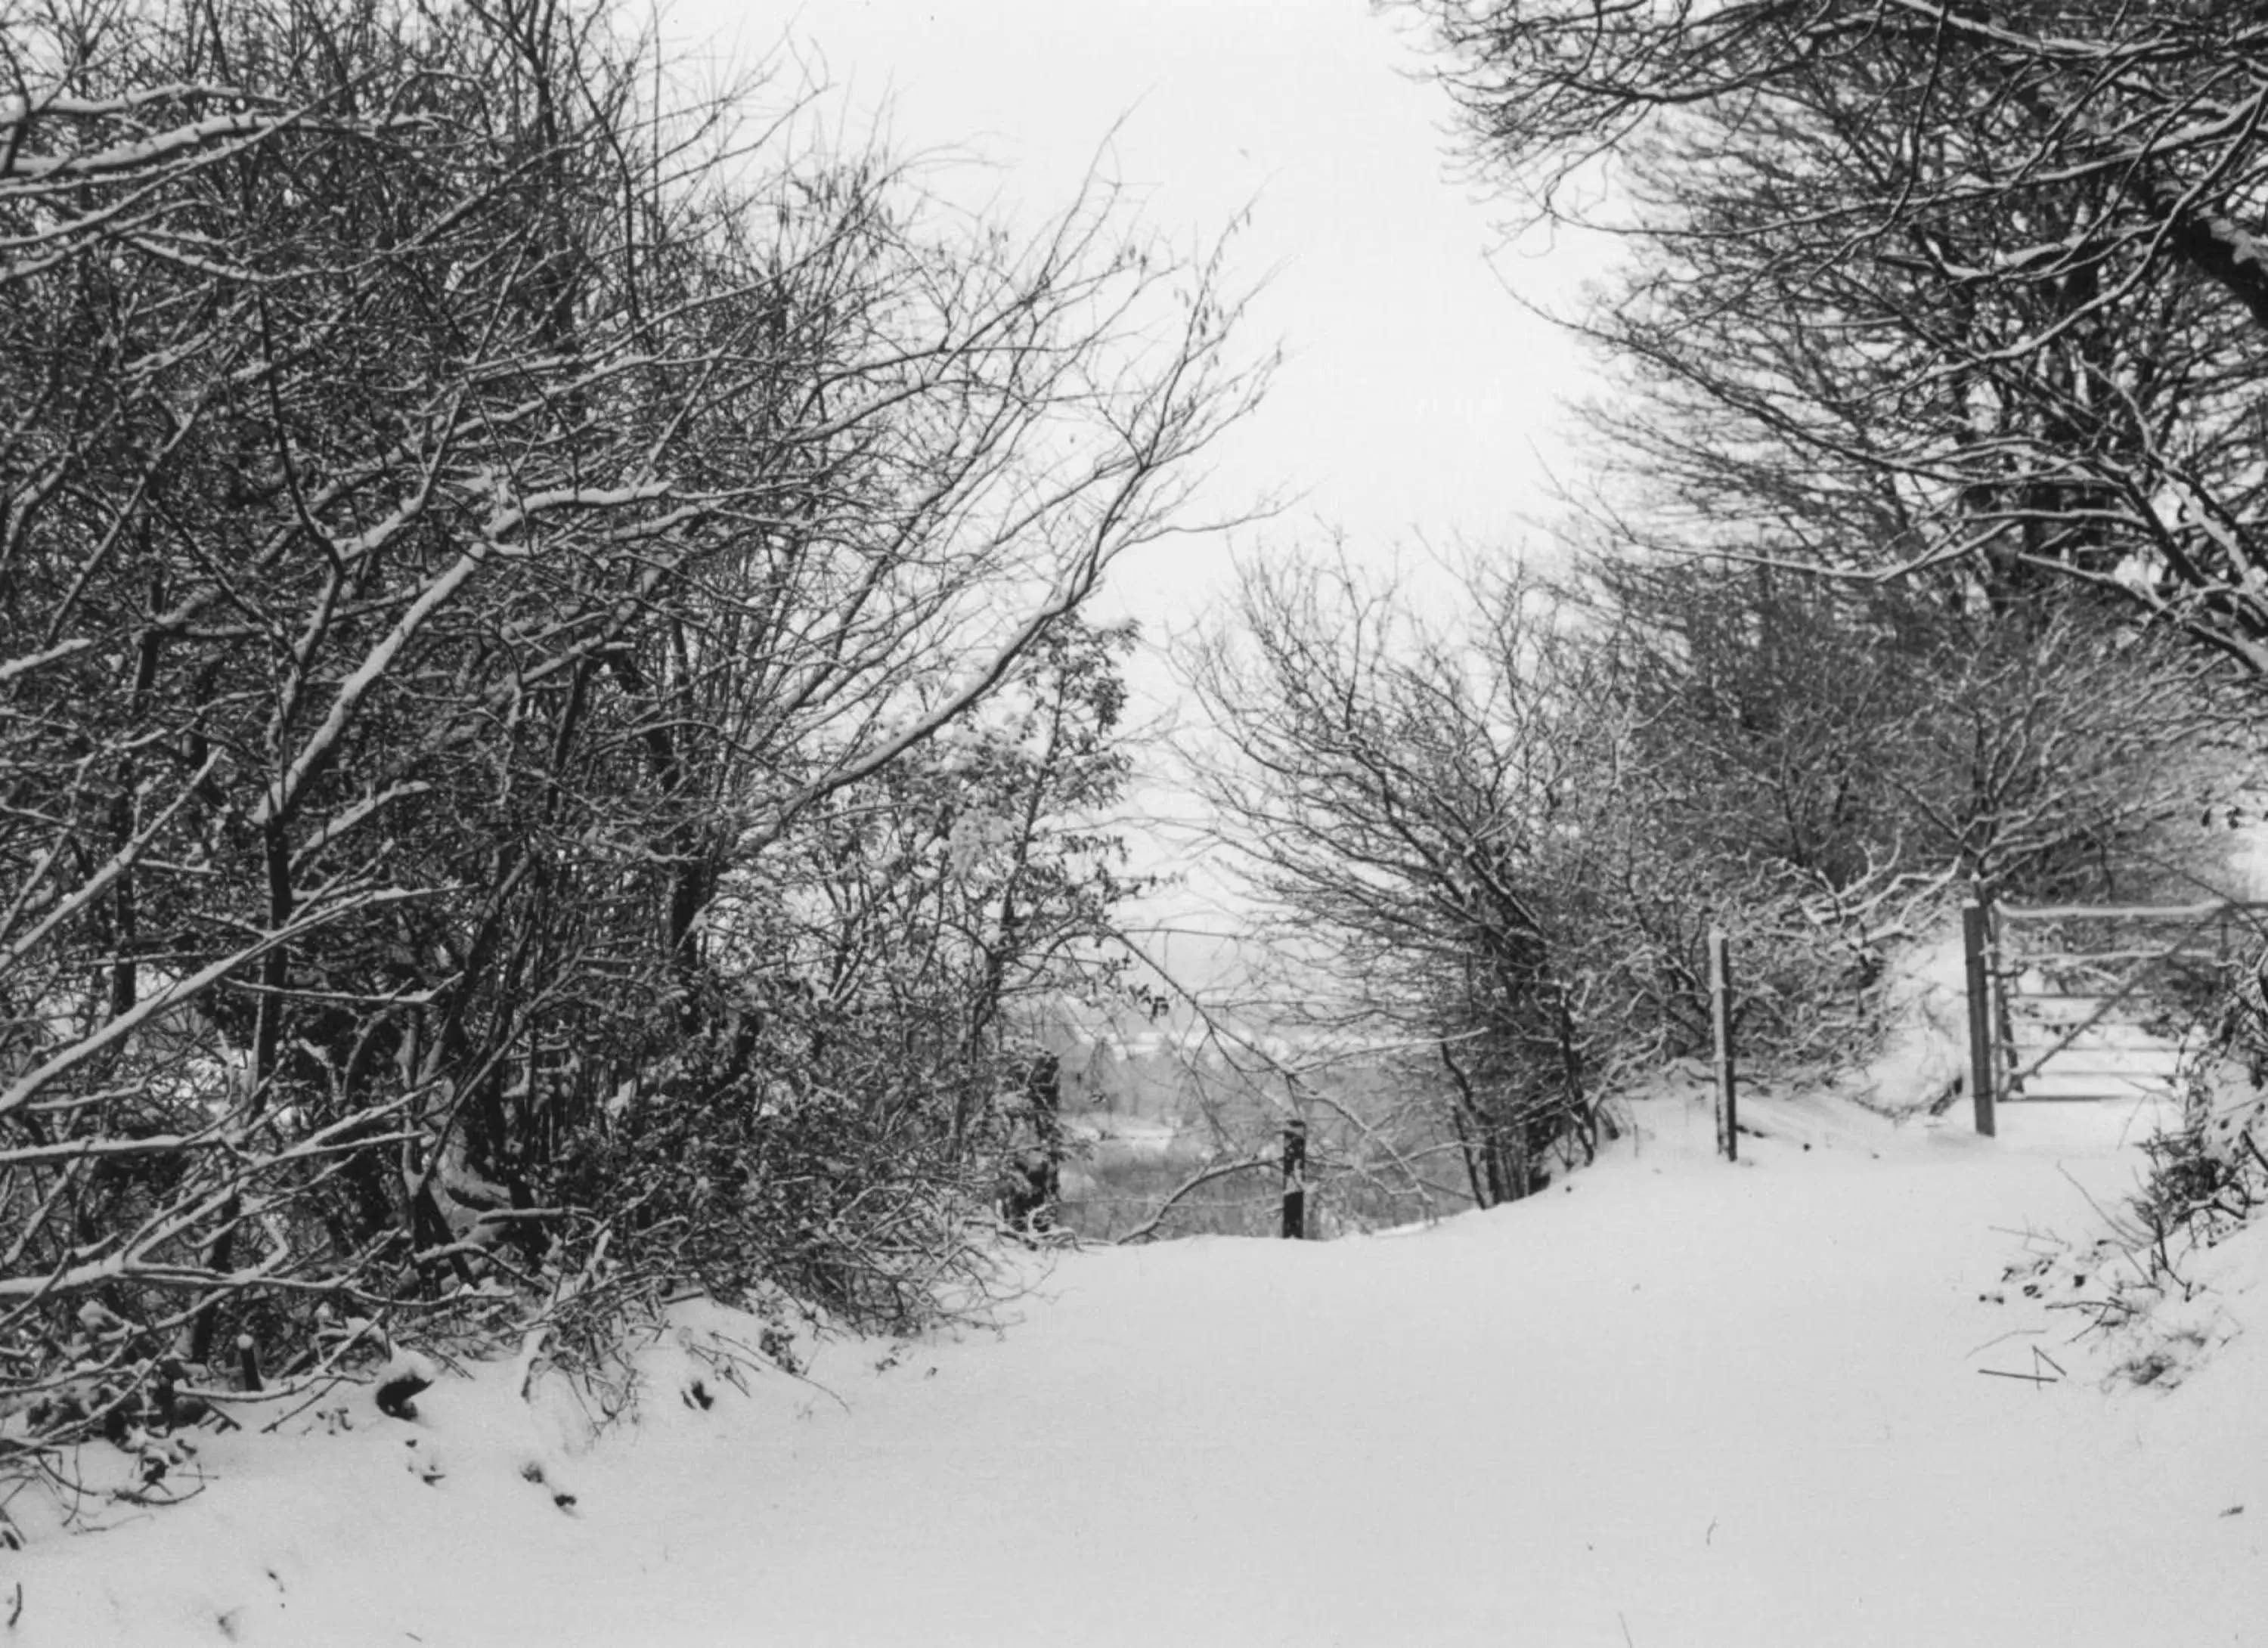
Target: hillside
1675,1402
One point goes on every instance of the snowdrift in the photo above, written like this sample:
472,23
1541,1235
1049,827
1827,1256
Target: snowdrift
1860,1389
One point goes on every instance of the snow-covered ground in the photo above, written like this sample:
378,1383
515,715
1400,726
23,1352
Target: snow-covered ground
1675,1402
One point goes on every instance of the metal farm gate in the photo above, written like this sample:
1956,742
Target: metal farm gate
2096,1002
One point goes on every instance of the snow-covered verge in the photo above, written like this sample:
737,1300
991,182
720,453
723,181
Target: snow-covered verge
1853,1390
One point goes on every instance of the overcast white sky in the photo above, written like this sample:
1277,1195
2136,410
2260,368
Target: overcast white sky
1415,393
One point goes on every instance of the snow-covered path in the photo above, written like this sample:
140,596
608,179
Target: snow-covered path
1681,1404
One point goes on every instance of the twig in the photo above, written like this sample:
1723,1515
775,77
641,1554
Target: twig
756,1354
2013,1332
1203,1176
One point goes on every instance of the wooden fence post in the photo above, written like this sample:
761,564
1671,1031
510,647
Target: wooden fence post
1295,1179
1984,1081
2007,1061
1720,1024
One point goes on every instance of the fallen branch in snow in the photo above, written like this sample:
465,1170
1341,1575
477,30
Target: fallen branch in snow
152,1498
2013,1332
753,1354
2039,1358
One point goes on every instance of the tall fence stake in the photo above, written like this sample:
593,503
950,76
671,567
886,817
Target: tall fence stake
1295,1179
1720,1024
1982,1080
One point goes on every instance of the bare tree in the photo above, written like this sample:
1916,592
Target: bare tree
1504,843
1966,289
1861,735
455,525
1424,814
